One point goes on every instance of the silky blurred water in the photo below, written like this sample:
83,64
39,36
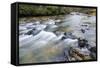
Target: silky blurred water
46,46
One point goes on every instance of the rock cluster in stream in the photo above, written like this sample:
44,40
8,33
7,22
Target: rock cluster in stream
69,39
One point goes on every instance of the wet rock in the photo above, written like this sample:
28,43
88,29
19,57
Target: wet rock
79,54
29,33
64,37
74,53
93,52
83,31
82,43
69,35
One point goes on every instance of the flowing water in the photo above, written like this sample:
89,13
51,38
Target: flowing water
45,41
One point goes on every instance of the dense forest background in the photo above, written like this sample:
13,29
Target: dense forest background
40,10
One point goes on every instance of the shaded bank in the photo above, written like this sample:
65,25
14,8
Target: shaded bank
40,10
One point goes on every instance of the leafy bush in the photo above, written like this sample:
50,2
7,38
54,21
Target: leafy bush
39,10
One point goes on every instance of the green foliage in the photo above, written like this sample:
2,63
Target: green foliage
39,10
